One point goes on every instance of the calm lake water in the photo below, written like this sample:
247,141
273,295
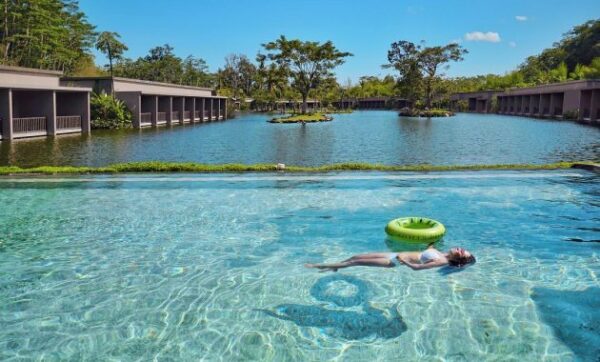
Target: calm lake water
191,267
364,136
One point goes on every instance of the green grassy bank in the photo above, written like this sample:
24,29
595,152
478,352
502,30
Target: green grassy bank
137,167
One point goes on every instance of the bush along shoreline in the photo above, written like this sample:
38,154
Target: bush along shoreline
108,112
190,167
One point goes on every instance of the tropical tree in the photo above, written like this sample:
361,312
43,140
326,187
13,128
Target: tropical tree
581,45
108,43
559,74
270,82
238,75
403,56
418,65
163,65
434,58
326,91
195,72
306,63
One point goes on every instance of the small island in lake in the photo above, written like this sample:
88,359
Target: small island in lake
428,113
303,118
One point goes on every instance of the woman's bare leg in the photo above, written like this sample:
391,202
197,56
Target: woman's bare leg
371,261
369,256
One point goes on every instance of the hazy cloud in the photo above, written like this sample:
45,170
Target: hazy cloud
521,17
490,36
512,44
414,10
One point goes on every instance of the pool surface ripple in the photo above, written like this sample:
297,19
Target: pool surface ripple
189,267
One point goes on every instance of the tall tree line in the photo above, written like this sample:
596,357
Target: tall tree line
162,65
47,34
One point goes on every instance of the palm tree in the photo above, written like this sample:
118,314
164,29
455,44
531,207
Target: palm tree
108,43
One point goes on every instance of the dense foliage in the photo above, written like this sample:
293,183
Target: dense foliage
369,86
47,34
109,112
162,65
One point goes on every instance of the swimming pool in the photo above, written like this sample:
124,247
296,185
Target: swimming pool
210,266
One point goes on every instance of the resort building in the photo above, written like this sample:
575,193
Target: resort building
345,103
241,103
479,102
575,100
154,103
295,106
36,103
371,103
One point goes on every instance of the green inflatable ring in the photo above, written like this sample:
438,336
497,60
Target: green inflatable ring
415,229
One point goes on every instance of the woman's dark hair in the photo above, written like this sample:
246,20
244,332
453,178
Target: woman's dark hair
460,261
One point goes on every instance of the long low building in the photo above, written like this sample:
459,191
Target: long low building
345,103
296,105
576,99
35,103
479,102
371,103
156,103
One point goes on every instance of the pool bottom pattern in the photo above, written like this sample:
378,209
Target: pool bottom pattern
214,269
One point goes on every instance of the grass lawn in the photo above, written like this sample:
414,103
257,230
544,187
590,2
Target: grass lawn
157,166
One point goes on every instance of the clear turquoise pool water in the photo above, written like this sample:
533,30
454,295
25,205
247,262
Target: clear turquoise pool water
363,136
185,267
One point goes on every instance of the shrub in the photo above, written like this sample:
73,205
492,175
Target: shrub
462,105
571,114
109,112
494,106
428,113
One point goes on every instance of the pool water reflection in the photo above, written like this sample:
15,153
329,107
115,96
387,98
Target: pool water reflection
363,136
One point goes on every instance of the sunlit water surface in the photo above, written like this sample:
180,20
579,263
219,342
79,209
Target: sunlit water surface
187,267
363,136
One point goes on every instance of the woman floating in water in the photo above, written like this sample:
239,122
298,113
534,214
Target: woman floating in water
430,258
